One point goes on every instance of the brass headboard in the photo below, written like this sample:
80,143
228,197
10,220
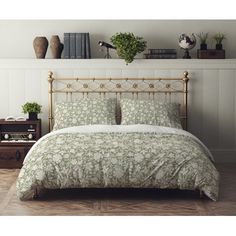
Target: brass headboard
120,86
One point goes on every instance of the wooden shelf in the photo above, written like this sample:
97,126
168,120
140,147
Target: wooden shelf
55,64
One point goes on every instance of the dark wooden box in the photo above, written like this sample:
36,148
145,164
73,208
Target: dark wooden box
211,54
12,153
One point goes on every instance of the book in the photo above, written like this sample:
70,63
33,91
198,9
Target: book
78,45
87,46
12,118
83,45
161,56
72,46
66,45
161,51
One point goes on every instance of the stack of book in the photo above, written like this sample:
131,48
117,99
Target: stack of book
77,46
161,54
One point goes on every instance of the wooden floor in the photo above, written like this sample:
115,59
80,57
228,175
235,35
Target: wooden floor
120,201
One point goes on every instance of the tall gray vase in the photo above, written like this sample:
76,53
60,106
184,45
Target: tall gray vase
40,44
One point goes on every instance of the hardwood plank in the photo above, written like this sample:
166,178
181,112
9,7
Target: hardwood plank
7,178
120,201
7,198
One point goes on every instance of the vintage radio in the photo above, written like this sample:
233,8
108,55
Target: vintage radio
18,131
18,137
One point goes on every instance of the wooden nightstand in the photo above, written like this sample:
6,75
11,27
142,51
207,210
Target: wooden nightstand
16,139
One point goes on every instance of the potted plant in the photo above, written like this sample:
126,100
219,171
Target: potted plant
219,38
128,45
33,109
203,37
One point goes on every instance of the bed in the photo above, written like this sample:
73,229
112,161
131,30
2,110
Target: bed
117,141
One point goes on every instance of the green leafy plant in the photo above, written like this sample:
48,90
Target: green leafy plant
219,37
203,37
128,45
31,107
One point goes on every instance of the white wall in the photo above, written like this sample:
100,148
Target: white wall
17,35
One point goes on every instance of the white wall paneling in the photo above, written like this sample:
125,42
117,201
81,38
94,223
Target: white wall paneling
196,103
227,110
4,92
210,107
212,100
16,90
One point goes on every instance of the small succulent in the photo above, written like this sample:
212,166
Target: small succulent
219,37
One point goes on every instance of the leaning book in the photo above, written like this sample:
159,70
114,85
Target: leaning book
12,118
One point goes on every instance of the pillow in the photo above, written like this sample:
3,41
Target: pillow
86,111
150,112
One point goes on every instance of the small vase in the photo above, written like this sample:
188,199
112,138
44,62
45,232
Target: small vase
40,46
203,46
56,46
33,116
219,46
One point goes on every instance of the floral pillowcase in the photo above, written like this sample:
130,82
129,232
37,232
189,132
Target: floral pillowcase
86,111
150,112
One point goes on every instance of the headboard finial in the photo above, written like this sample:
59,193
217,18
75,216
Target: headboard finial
50,91
50,78
185,78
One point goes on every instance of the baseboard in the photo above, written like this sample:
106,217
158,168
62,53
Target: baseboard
224,155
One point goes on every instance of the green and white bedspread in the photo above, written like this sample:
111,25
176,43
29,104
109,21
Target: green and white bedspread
118,156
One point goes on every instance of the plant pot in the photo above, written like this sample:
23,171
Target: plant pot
219,46
203,46
40,46
33,116
56,46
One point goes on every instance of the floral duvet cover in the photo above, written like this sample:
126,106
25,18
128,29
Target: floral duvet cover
110,156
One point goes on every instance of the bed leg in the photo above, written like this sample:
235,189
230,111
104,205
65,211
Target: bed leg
200,194
35,195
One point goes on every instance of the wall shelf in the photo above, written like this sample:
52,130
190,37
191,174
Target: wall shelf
118,63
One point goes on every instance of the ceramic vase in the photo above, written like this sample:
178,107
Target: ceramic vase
40,46
56,46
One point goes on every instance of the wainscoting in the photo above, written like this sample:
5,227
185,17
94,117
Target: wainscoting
212,100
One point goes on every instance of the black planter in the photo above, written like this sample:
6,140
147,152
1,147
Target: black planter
219,46
33,116
203,46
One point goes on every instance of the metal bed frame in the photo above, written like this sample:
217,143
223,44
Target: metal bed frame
118,87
